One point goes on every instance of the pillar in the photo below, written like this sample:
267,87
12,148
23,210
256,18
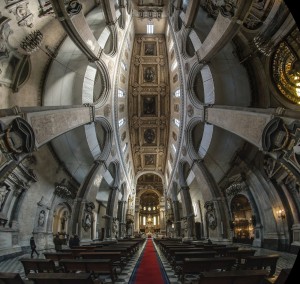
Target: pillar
189,218
177,222
110,217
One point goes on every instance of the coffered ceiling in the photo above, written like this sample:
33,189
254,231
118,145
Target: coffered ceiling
148,107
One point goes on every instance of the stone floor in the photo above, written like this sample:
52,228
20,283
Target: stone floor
286,260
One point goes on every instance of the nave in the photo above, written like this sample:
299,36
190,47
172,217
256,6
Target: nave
150,265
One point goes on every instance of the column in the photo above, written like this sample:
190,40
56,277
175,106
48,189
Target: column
177,222
122,218
162,221
110,218
189,218
136,222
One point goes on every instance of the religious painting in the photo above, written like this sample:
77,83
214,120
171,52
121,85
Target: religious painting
149,74
150,49
149,135
149,105
150,160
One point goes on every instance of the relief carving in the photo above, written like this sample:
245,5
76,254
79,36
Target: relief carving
149,74
210,214
20,10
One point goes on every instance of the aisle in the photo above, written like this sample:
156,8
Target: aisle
149,268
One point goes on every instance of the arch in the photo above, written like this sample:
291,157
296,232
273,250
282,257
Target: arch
128,6
105,81
106,141
174,191
123,191
200,92
61,218
111,44
183,171
122,18
177,21
185,39
193,152
139,174
114,169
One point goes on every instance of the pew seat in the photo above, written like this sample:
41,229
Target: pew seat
199,265
39,265
94,266
262,262
233,277
11,278
63,278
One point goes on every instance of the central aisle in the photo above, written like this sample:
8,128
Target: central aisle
149,268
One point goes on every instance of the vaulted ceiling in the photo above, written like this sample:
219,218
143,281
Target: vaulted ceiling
148,107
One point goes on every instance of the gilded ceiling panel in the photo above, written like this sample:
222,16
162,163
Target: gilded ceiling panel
149,104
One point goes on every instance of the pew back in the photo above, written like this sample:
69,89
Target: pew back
10,278
236,277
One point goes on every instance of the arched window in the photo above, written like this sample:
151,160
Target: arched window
177,93
125,147
121,122
174,148
121,94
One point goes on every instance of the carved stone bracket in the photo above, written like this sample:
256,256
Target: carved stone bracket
20,9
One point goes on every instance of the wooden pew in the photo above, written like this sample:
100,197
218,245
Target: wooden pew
39,265
56,256
236,277
199,265
282,277
179,257
261,262
171,252
124,251
115,256
240,255
75,252
94,266
10,278
62,278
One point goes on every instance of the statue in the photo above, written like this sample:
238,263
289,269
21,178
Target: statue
41,220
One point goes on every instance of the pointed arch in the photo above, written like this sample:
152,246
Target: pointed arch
183,171
106,141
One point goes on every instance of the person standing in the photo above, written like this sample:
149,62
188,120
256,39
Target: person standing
33,247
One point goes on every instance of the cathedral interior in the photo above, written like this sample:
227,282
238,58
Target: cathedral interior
162,119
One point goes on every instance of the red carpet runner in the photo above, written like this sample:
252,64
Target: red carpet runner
149,268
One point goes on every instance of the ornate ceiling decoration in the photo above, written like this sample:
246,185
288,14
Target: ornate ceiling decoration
149,182
149,103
